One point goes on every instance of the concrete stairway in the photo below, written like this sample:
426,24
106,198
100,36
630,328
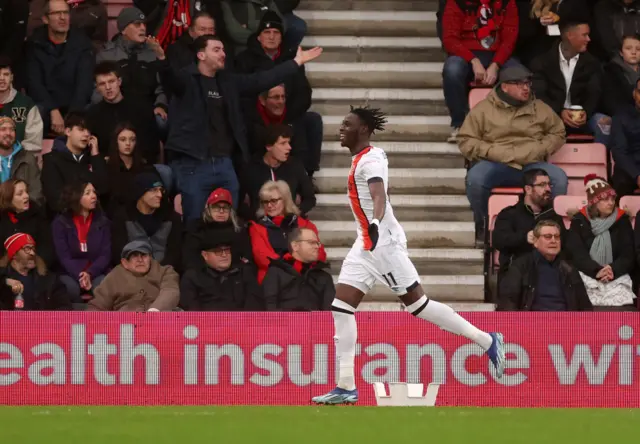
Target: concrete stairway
385,53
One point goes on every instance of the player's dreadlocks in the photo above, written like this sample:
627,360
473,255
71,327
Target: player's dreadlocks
372,117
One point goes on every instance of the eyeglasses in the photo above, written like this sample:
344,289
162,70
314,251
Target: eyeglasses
221,251
521,83
266,202
58,14
550,236
315,243
220,208
542,184
29,249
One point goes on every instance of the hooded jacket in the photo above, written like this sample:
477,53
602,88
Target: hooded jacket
60,168
291,285
24,166
60,77
24,112
122,290
613,20
516,136
33,222
140,80
581,237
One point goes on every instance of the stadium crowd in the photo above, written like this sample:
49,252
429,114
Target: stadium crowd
170,166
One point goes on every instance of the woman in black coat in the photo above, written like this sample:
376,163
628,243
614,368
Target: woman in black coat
18,214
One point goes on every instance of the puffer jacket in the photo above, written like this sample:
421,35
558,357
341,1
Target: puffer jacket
517,136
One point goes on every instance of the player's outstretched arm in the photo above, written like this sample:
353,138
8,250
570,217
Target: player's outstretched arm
379,198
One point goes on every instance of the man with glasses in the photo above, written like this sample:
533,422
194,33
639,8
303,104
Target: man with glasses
298,281
506,135
541,280
220,283
513,232
60,64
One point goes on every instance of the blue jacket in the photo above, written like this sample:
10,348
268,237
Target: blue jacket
189,125
625,141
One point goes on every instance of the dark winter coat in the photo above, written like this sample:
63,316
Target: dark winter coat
242,18
581,237
49,292
189,133
33,222
625,141
290,285
97,259
613,20
511,228
59,168
206,289
550,87
191,251
617,91
60,77
518,287
13,31
121,182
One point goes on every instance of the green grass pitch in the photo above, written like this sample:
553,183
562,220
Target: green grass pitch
310,425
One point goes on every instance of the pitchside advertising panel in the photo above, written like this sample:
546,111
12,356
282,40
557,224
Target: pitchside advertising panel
554,360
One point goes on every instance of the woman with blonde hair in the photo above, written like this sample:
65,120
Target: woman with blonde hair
276,217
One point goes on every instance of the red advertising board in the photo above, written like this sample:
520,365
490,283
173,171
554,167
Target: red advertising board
76,358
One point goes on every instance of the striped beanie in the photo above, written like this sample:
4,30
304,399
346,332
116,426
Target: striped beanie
597,189
17,242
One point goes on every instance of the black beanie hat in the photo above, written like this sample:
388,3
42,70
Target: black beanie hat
270,20
144,182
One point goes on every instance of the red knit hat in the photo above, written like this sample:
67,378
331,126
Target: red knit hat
597,189
17,242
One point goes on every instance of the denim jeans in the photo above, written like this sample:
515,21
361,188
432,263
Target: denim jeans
308,134
456,75
73,286
196,179
599,135
165,173
486,175
296,30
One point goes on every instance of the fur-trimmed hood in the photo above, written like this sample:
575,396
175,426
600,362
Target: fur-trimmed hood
41,267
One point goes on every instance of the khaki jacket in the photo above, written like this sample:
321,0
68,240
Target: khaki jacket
121,290
499,132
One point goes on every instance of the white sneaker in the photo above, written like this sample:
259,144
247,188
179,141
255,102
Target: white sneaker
453,137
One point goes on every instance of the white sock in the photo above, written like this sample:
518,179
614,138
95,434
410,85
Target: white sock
346,335
447,319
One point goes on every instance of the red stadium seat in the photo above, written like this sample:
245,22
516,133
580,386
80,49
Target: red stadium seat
631,204
477,95
580,138
177,204
563,204
47,145
578,160
507,190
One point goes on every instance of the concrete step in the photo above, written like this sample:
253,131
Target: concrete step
441,288
406,208
370,23
460,307
400,155
350,49
370,5
398,128
374,75
428,261
401,181
419,234
416,102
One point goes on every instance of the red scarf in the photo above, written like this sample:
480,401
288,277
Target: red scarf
83,226
12,217
277,220
267,117
176,22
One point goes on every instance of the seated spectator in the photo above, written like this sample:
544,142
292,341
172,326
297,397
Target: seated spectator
21,109
620,77
568,79
601,245
181,53
275,164
26,282
124,162
242,19
19,214
219,283
277,216
299,281
477,48
513,233
625,146
507,134
13,32
296,27
115,108
541,280
75,158
59,66
135,60
16,162
149,217
139,283
217,215
82,239
613,20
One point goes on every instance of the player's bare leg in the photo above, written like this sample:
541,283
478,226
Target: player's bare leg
343,309
447,319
